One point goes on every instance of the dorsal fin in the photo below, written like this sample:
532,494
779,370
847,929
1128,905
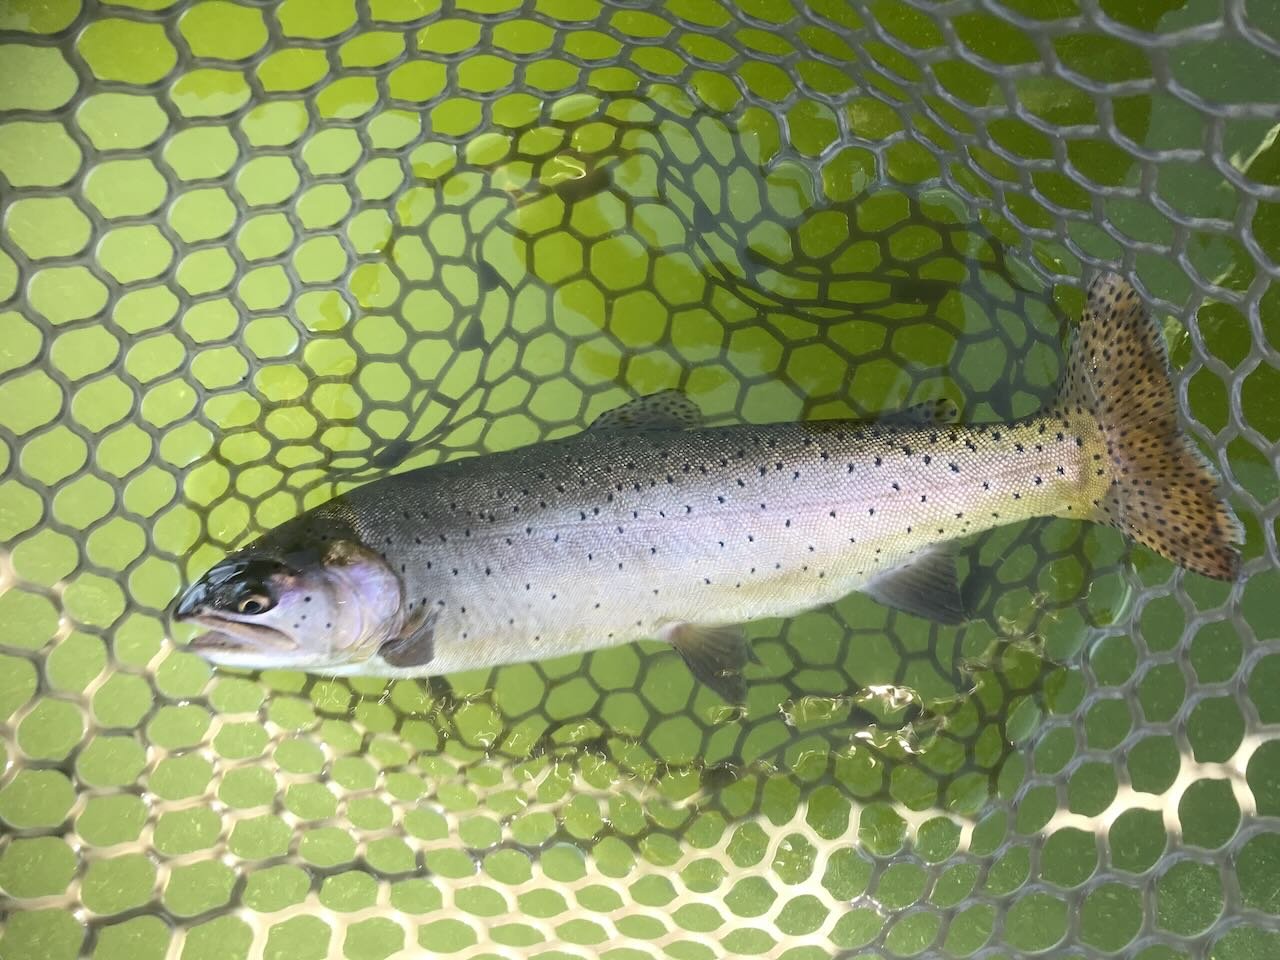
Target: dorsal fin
665,410
941,410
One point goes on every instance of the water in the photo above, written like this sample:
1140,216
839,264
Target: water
435,236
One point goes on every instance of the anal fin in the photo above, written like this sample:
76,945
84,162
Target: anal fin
927,586
715,655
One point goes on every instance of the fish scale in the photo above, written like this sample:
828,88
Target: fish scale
527,549
652,525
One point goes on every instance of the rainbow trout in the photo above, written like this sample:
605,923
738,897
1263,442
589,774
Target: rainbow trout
648,525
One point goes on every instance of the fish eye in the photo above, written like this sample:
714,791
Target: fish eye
254,600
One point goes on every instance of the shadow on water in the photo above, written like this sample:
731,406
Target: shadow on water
667,247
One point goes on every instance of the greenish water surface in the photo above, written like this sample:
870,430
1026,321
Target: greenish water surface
254,254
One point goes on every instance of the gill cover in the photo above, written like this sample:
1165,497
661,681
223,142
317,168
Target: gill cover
300,609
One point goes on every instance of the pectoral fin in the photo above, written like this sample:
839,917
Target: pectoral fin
715,655
414,645
928,587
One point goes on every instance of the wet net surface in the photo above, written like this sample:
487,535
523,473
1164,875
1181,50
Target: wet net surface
252,253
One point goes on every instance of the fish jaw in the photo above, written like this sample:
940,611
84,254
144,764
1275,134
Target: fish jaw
234,644
231,635
242,646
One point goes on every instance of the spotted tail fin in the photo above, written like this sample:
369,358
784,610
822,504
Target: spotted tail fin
1162,492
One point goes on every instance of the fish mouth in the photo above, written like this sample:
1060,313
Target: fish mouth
231,637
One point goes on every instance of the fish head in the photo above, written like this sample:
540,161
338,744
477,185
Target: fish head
314,609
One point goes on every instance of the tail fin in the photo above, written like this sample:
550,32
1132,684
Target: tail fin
1163,492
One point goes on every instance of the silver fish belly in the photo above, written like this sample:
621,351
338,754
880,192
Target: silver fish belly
612,537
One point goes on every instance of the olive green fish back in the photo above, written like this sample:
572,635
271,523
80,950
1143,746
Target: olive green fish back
252,253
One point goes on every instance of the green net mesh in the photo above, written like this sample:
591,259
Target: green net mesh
254,253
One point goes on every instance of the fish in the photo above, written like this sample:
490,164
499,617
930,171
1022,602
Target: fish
651,525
